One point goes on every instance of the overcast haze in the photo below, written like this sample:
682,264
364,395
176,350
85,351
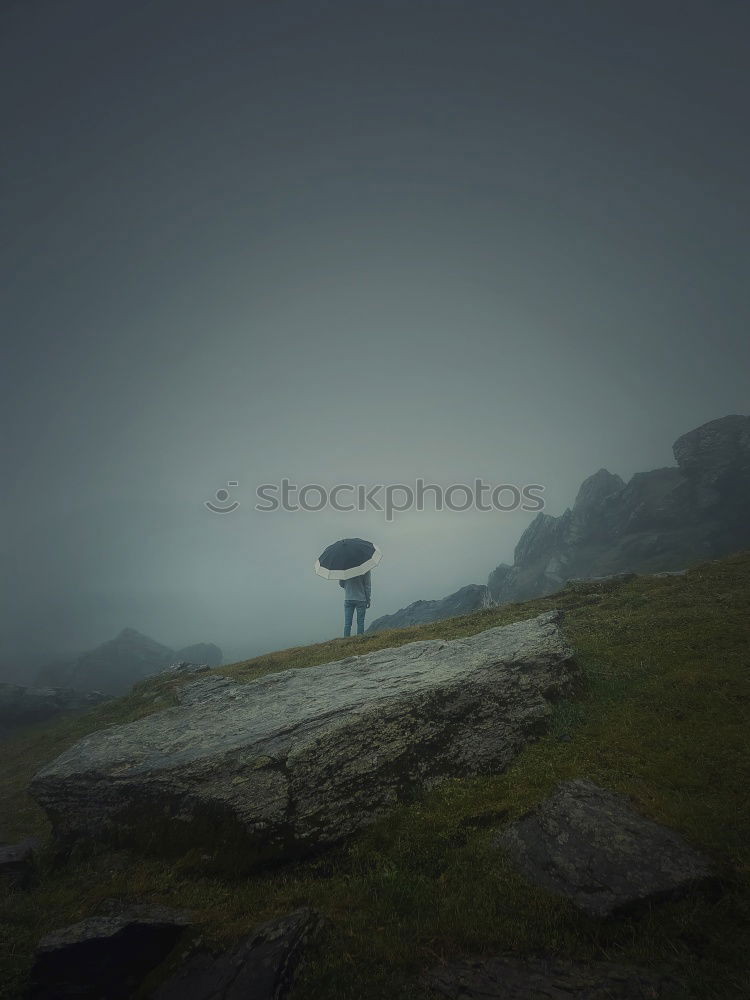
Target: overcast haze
345,242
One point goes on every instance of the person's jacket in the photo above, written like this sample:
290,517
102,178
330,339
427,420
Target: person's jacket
357,588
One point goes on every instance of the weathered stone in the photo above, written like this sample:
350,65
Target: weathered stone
297,760
104,957
550,978
586,843
17,864
263,966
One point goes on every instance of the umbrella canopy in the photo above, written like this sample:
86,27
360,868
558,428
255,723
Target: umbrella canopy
347,558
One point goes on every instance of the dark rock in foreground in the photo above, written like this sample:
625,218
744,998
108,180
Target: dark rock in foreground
262,967
106,957
298,760
465,600
587,843
17,864
550,978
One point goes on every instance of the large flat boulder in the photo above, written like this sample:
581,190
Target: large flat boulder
587,843
297,760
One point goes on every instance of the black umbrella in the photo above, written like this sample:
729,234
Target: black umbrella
347,558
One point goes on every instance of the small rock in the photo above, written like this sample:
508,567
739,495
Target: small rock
104,957
262,966
17,864
586,843
549,978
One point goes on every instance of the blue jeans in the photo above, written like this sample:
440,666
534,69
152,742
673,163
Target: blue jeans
349,607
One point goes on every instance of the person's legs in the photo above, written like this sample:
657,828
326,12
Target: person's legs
348,615
361,608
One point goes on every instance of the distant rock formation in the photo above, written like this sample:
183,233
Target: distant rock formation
295,761
659,520
123,661
21,706
467,599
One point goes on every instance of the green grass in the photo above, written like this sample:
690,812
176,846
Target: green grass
663,718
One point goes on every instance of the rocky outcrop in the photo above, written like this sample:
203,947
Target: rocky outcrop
467,599
297,760
105,957
586,843
184,667
125,660
660,520
550,977
263,966
21,706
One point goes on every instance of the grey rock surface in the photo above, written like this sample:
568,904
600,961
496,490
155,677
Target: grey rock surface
586,843
262,966
105,957
550,978
465,600
297,760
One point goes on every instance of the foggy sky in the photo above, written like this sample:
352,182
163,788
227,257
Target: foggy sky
345,242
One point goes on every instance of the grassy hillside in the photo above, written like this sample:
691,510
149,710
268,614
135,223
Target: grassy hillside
663,719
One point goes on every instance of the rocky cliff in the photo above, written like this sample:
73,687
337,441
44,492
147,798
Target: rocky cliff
659,520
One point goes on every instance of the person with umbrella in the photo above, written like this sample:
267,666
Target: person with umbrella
349,561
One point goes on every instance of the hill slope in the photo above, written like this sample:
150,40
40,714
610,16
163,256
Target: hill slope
663,720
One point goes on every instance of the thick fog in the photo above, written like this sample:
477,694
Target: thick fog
345,243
